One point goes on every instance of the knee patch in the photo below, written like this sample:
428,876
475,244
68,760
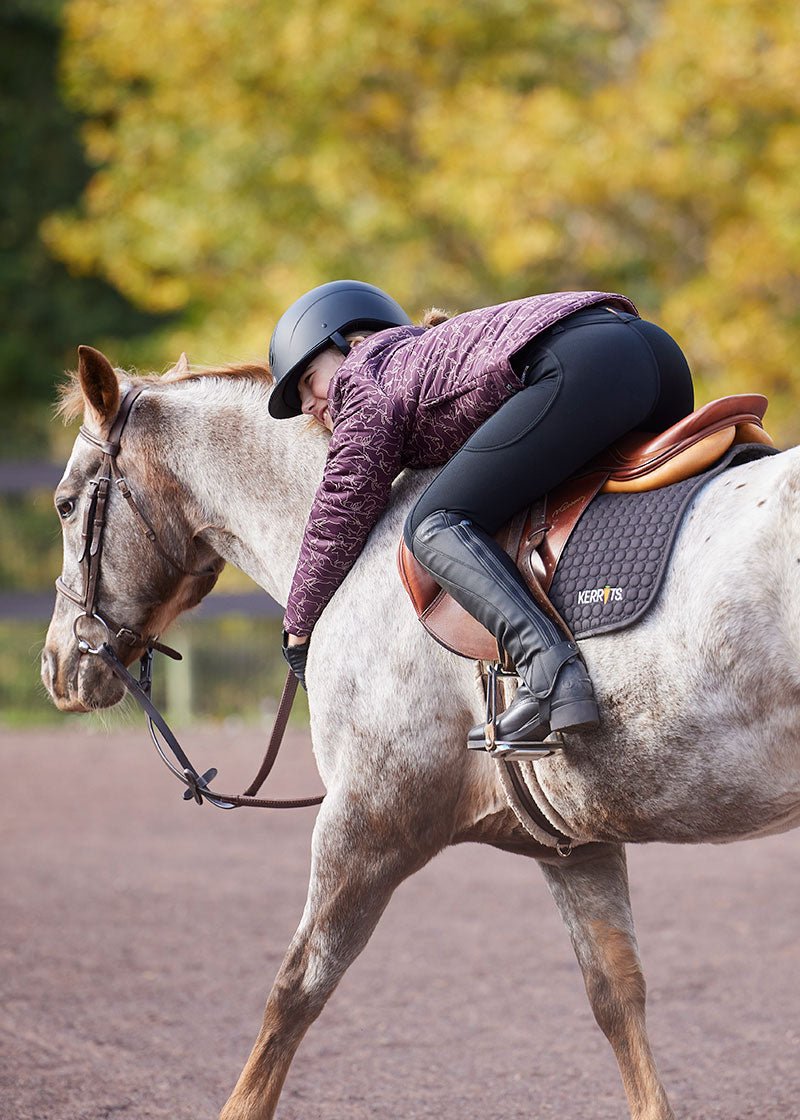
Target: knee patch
428,527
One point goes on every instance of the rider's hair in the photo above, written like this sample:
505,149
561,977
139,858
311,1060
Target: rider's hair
433,317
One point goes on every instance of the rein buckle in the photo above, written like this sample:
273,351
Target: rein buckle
197,783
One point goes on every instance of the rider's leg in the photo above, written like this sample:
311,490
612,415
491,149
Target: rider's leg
588,384
482,578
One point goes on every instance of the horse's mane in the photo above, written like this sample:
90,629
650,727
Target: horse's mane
70,404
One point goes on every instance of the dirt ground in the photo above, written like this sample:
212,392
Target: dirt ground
139,936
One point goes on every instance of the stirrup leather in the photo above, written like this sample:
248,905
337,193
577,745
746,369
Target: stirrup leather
517,751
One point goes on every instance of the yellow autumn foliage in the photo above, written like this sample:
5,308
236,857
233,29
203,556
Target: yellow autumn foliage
454,154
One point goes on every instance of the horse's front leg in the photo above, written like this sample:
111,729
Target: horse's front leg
359,856
592,896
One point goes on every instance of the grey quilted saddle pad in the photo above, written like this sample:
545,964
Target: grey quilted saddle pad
614,563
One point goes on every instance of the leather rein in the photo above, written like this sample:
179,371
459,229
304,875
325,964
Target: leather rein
94,523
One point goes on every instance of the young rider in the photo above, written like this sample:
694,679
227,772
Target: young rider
509,401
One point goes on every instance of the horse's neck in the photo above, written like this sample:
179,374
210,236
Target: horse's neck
252,478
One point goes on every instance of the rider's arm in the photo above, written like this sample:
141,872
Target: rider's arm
364,458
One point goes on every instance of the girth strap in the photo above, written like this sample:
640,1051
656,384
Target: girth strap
563,843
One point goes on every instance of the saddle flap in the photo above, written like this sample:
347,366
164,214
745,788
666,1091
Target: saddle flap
441,615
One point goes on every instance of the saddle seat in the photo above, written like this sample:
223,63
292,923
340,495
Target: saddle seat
536,537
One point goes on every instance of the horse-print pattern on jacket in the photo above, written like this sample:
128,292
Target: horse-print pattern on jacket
409,397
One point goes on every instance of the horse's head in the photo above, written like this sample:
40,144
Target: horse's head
132,560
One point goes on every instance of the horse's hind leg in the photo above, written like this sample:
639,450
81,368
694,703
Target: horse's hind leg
359,858
592,895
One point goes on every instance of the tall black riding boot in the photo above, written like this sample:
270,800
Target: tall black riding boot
556,693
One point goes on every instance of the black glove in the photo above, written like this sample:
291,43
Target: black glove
296,658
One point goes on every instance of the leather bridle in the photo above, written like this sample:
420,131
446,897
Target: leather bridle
94,524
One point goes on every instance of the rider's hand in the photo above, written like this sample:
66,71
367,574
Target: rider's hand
295,651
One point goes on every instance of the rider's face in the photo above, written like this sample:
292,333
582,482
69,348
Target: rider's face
313,385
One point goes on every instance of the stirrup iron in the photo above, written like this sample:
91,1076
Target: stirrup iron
497,748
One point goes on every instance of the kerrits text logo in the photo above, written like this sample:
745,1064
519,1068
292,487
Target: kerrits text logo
602,595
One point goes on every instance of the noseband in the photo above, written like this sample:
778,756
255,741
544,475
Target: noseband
94,523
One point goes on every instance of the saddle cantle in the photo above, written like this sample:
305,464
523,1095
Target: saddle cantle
537,536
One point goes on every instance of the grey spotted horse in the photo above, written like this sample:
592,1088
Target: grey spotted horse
700,700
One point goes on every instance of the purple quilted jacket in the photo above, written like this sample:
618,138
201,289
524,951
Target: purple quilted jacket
409,397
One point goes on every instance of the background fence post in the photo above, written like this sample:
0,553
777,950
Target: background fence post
178,682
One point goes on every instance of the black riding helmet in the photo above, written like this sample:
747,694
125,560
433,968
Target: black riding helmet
319,319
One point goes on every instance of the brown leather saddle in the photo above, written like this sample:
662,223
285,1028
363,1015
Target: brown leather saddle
536,537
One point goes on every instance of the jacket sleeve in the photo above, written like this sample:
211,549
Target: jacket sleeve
364,458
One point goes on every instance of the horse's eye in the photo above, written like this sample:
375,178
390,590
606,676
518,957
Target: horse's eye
65,508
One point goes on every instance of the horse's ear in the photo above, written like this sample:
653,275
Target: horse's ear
99,384
180,369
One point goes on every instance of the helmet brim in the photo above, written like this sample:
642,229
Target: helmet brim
284,401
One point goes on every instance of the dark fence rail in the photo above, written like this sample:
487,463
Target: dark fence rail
21,606
22,476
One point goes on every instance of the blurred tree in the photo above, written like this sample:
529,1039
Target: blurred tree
247,151
49,311
676,181
454,154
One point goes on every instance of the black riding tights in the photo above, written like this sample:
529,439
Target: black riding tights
588,380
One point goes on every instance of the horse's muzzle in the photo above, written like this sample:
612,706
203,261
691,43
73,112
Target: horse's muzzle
78,683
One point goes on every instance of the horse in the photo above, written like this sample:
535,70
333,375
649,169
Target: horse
698,740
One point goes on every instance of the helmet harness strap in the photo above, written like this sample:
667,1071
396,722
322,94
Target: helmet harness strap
340,342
